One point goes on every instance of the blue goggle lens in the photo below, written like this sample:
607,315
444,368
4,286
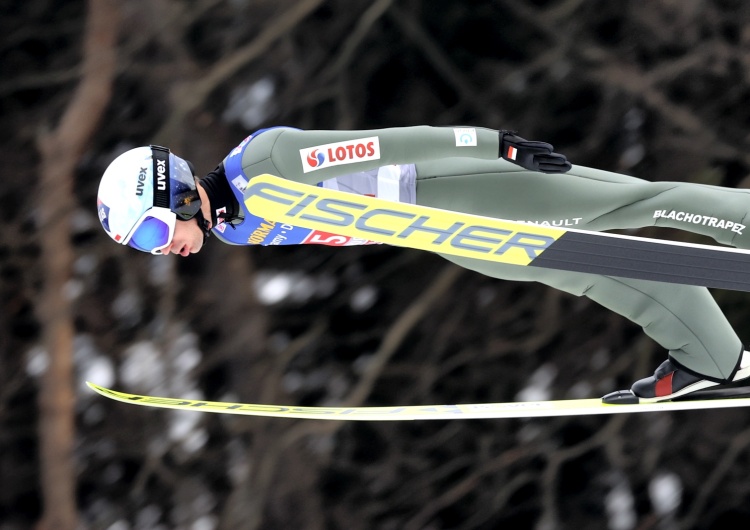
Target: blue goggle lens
151,233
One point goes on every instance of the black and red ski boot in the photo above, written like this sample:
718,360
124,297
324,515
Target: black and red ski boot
671,381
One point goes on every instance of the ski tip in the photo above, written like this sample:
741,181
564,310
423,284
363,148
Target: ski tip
96,388
621,397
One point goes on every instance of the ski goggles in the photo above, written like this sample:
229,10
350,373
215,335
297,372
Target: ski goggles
153,231
175,197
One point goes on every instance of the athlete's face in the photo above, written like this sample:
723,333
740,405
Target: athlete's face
188,239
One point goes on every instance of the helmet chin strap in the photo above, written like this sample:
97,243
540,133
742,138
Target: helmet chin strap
203,224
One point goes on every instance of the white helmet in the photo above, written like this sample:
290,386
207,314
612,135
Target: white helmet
142,194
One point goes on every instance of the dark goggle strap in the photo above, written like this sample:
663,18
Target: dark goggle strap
160,158
187,204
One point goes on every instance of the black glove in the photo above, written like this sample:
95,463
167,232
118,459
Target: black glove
536,156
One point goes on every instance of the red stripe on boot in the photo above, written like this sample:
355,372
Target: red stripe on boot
664,385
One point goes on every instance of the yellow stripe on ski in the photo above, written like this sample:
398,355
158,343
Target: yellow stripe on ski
399,224
524,409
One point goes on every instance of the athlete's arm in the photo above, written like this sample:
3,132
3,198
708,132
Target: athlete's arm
307,156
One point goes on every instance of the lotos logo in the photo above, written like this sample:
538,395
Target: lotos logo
349,152
315,158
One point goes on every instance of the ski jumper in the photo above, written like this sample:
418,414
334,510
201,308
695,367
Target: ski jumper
459,169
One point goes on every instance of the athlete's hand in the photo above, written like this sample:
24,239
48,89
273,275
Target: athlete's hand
536,156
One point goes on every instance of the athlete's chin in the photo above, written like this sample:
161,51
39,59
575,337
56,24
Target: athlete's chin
193,249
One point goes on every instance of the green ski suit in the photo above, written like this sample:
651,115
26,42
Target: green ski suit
463,173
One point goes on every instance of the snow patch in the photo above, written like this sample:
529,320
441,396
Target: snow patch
148,517
148,369
119,525
37,361
160,270
92,364
73,289
142,368
363,298
580,390
127,307
251,105
81,221
665,491
85,265
273,287
538,388
619,505
207,522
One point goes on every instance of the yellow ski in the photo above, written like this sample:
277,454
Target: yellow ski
524,409
498,240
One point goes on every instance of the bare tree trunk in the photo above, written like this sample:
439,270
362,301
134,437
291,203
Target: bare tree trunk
61,149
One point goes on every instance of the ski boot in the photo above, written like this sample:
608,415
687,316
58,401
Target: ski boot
671,381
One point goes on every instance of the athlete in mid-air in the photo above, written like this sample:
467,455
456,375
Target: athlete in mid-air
148,199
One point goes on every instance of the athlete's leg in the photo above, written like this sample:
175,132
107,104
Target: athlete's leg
584,198
683,319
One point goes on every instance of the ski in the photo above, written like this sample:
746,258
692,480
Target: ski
524,409
526,244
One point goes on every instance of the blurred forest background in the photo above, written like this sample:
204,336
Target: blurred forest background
658,89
